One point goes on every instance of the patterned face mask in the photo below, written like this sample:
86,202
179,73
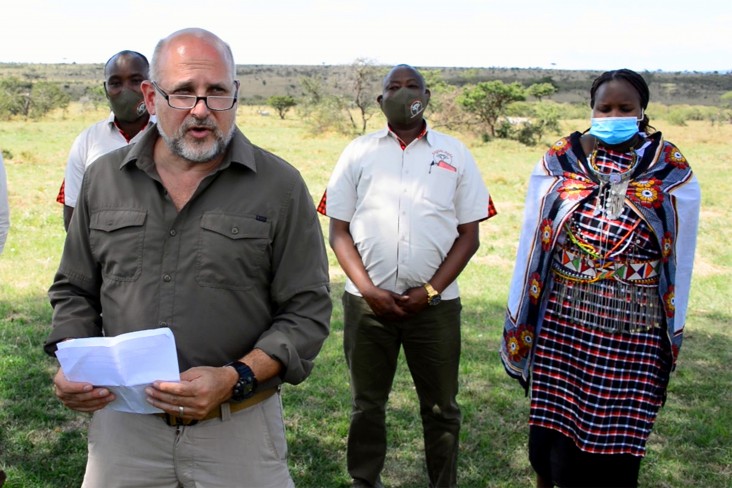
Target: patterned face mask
128,105
404,106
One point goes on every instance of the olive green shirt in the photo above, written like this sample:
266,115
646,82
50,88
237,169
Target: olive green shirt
241,266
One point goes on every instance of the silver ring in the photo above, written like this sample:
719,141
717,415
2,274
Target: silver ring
180,410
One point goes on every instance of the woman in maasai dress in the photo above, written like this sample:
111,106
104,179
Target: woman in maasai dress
598,300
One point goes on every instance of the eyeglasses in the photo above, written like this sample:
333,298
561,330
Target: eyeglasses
187,102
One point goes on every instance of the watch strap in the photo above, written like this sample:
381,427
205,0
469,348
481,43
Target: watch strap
246,385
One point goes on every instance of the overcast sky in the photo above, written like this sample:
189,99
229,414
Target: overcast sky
668,35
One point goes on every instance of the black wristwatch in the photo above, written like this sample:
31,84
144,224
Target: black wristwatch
246,384
433,296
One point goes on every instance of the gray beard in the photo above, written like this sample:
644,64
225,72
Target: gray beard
197,152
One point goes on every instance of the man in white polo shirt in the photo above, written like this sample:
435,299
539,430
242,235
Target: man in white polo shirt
128,120
405,203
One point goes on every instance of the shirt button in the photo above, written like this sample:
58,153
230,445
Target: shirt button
173,232
235,230
167,278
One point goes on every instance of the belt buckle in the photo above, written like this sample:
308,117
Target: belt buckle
175,421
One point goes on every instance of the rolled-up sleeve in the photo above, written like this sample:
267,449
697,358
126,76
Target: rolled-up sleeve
300,288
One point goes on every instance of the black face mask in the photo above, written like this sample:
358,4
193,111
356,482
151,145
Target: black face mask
128,105
404,106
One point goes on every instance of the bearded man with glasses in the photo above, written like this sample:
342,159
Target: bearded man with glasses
194,229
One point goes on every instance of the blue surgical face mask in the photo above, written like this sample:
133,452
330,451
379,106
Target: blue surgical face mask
614,130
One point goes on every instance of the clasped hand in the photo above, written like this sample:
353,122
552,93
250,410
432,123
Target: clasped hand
392,306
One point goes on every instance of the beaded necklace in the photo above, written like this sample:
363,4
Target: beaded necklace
613,172
602,253
613,183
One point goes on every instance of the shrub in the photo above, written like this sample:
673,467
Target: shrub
281,103
677,117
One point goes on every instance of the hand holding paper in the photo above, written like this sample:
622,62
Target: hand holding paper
125,364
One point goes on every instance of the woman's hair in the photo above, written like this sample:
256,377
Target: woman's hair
636,81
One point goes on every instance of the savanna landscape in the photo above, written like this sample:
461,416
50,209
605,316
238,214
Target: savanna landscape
42,444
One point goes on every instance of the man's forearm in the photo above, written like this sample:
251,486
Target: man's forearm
460,253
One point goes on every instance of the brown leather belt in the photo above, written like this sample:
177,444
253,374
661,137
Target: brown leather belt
222,411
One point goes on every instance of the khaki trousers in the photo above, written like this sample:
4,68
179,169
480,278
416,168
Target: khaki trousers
131,450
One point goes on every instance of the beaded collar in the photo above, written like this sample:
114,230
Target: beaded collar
613,171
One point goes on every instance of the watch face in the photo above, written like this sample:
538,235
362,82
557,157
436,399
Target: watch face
433,298
242,389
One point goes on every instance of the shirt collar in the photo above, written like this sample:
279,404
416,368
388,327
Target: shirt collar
112,122
425,134
240,151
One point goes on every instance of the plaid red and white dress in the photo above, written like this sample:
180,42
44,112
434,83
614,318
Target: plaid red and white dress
602,388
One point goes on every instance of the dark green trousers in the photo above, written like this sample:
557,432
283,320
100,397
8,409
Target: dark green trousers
431,342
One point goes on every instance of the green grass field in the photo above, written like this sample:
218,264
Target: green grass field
42,444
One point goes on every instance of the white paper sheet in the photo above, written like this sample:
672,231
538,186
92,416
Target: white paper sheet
125,364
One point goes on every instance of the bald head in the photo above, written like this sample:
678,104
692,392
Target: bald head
402,71
178,41
127,59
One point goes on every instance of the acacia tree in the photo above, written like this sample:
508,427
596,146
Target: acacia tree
488,101
14,97
313,89
322,110
46,96
443,109
346,103
541,90
544,118
363,77
281,103
29,99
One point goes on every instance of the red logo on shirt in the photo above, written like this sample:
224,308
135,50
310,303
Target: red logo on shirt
443,159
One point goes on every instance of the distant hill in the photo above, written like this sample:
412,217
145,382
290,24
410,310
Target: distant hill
258,82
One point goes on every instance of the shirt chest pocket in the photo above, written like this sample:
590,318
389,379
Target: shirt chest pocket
233,252
440,187
116,237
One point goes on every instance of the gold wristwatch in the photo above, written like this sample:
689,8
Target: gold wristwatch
433,298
